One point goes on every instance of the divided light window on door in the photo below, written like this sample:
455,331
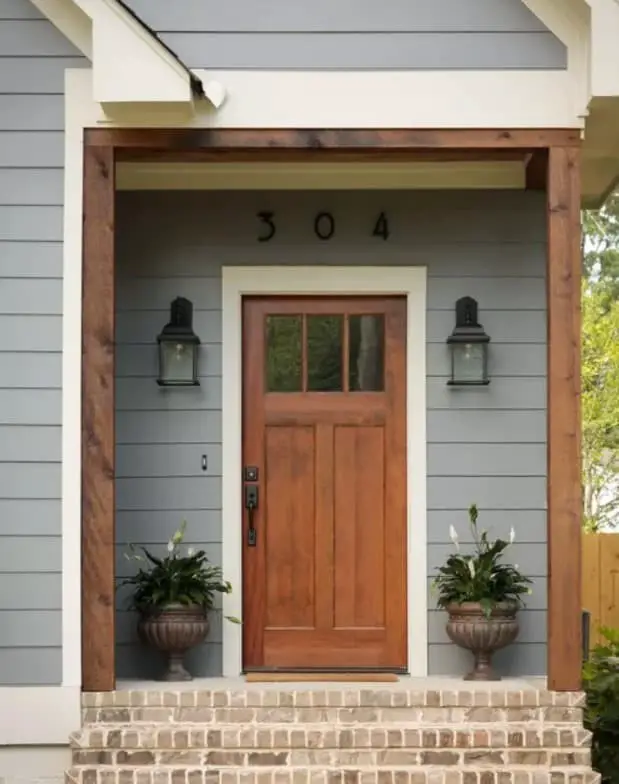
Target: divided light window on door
325,353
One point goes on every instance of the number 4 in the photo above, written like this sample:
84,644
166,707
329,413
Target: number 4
381,228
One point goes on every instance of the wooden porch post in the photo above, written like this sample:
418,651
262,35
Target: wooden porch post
98,596
564,477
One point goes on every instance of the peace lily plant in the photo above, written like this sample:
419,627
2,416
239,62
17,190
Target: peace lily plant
482,595
174,596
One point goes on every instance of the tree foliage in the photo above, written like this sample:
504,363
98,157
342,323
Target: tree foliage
600,366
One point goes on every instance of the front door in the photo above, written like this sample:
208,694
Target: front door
324,452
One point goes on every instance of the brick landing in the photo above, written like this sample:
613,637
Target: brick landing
332,734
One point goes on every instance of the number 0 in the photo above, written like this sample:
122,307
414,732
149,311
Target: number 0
324,225
381,229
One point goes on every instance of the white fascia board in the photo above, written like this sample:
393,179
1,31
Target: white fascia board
72,22
130,66
605,48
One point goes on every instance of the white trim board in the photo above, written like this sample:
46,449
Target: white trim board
38,715
408,281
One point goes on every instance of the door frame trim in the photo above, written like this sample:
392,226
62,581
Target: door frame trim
410,282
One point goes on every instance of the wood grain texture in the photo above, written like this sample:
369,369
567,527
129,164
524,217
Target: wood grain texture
536,172
333,495
355,142
98,613
564,434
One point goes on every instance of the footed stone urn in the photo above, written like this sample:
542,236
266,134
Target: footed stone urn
469,628
174,630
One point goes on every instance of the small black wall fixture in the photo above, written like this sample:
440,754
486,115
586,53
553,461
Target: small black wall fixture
178,348
468,344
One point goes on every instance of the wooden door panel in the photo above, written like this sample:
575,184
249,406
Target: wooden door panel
325,585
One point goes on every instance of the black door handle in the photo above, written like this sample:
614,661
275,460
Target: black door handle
251,504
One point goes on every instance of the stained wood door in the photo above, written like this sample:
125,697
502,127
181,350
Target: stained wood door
324,424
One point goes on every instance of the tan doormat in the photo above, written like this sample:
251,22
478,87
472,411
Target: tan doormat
321,677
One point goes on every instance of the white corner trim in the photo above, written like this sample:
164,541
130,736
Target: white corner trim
72,22
76,118
38,715
408,281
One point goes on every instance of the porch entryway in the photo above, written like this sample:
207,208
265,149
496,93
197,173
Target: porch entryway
324,454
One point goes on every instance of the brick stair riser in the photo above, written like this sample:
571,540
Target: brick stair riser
359,715
335,757
511,736
172,775
335,698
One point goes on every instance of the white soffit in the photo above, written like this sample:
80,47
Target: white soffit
130,65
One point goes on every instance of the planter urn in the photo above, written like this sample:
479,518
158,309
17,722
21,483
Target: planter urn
174,630
469,628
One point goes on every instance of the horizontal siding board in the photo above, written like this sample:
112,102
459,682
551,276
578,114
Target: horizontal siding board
169,493
34,629
167,460
30,517
137,294
518,659
30,259
29,443
32,112
30,481
30,407
25,592
30,666
360,15
30,371
521,294
472,260
491,492
532,626
30,333
26,222
486,427
529,524
501,393
36,296
32,148
143,394
143,663
531,558
34,38
487,460
377,51
203,525
168,427
29,554
19,9
31,187
33,75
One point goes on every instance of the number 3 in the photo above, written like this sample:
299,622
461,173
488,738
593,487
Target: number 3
267,220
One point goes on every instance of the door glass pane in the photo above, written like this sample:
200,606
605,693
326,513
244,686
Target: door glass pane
283,353
366,367
324,353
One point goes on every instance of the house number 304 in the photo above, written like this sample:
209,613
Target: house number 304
324,226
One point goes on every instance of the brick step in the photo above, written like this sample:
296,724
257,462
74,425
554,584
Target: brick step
462,696
333,715
175,774
320,736
336,758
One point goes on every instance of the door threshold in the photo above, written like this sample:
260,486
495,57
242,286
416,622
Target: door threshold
318,677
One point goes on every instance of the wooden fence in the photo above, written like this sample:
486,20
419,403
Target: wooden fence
600,581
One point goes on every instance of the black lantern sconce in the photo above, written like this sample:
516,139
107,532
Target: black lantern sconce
178,348
468,344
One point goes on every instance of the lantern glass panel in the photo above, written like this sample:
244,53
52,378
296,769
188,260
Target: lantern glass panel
469,363
177,362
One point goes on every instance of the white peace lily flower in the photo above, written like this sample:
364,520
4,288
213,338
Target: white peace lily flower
171,546
191,551
512,535
453,535
472,568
